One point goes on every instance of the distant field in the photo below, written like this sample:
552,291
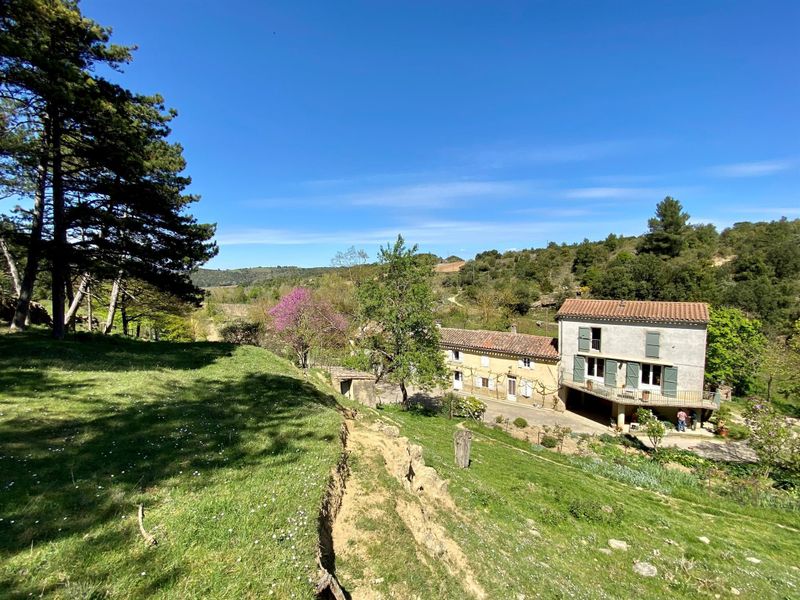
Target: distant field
228,449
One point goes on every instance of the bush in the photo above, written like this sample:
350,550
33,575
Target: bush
499,419
591,510
607,438
737,431
242,332
520,422
466,407
548,441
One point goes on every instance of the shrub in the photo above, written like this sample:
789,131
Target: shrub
607,438
548,441
520,422
499,419
737,431
591,510
468,407
242,332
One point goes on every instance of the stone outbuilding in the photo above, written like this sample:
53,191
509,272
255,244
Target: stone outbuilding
356,385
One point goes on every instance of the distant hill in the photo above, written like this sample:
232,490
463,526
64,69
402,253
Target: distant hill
206,278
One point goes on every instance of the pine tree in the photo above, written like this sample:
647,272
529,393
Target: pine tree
668,229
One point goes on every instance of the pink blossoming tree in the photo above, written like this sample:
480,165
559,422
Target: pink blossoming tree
305,322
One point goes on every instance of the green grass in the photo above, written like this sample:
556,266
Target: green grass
228,449
511,490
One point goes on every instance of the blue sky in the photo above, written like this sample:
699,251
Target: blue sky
313,126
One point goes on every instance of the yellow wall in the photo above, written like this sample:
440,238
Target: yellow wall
543,375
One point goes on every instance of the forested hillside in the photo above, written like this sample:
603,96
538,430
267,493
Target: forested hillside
206,278
751,266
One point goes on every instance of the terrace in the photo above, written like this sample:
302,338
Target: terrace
642,397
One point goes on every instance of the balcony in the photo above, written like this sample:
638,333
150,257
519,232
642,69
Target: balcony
637,397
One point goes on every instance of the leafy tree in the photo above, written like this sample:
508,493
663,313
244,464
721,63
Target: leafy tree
772,438
668,229
655,429
305,322
400,336
733,349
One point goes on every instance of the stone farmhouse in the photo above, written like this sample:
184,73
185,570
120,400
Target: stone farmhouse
611,357
503,365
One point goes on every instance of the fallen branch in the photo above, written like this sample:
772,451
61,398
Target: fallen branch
151,541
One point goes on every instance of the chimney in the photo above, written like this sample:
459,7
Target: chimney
513,328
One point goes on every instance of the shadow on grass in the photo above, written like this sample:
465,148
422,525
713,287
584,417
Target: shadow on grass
95,352
56,474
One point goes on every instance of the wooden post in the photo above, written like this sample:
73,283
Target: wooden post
462,441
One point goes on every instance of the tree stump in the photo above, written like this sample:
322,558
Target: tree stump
462,441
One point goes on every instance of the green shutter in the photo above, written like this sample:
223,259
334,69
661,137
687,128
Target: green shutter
578,369
671,381
632,375
584,339
651,345
610,378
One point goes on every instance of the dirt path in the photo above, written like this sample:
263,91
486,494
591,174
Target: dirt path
418,508
452,300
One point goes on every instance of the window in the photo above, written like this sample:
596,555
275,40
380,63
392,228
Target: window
526,363
484,382
651,374
457,355
512,386
484,361
596,338
527,388
594,366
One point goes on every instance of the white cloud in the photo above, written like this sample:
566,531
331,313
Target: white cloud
753,169
421,195
507,232
589,193
506,155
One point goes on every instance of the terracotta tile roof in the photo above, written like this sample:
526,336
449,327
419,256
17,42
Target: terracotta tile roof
635,310
516,344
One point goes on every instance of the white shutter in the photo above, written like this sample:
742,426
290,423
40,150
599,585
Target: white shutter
450,355
484,361
527,388
477,381
520,363
491,383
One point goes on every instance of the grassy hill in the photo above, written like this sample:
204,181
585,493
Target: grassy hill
524,522
228,449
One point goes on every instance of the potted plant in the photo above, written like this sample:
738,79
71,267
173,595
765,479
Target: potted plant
645,395
588,384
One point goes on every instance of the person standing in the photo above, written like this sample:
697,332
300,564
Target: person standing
682,420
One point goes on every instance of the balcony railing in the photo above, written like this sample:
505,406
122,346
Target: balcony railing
637,397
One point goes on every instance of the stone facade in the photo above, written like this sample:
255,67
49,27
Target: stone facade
487,374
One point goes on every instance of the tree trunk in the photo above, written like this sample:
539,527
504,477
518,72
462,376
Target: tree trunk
404,392
77,299
123,312
59,258
22,312
112,305
12,267
89,314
